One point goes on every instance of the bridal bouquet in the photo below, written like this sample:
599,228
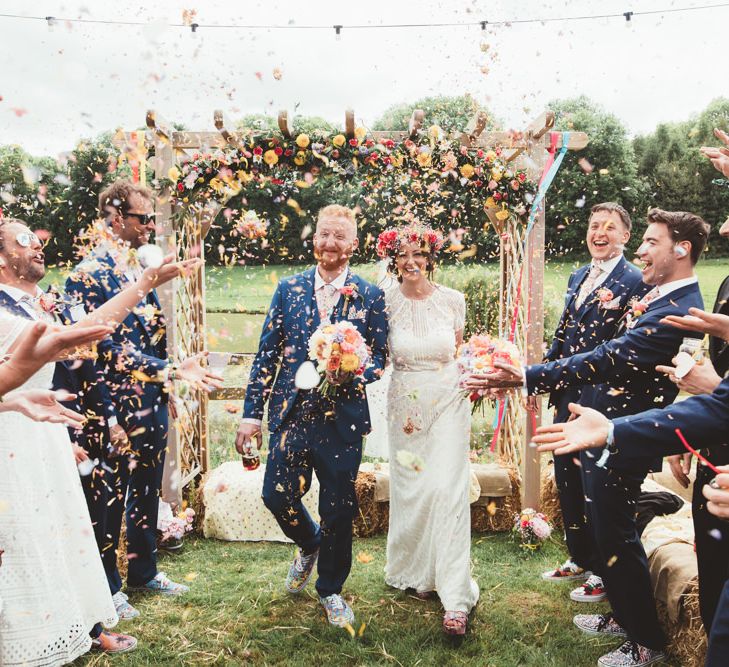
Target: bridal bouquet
531,528
478,354
173,527
338,348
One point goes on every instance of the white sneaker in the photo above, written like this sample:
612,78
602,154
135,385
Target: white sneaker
568,571
592,590
124,610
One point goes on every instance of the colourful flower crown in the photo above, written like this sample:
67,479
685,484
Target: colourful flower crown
389,241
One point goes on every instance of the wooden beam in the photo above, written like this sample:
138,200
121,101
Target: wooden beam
349,123
475,127
416,122
283,123
219,121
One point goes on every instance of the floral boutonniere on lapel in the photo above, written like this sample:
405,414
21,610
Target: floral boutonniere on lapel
636,308
350,293
606,299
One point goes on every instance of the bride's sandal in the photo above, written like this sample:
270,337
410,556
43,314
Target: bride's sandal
455,623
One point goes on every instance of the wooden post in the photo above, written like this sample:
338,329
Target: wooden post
164,159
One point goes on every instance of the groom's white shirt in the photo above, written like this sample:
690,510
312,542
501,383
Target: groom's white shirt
23,299
319,285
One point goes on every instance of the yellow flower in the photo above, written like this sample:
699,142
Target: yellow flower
491,155
435,132
397,159
360,133
339,140
349,363
496,175
302,141
270,157
490,203
217,185
503,214
300,159
173,174
467,170
244,176
424,159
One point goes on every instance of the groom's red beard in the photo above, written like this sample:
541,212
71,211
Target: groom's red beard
28,270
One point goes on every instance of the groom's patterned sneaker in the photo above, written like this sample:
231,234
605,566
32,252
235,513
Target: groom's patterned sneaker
339,613
631,654
568,571
592,590
598,624
300,571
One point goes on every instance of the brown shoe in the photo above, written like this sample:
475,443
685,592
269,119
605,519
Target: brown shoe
113,642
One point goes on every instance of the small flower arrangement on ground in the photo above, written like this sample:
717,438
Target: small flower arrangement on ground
338,348
172,528
531,529
478,354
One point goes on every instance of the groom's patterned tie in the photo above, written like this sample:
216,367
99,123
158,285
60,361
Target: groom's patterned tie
588,285
326,298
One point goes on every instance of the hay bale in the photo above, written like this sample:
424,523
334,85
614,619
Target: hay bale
373,518
549,497
686,638
498,514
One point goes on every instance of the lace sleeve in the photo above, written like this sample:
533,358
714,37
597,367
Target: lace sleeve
11,326
459,311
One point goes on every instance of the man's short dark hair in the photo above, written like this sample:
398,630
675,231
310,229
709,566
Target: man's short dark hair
614,207
683,226
114,198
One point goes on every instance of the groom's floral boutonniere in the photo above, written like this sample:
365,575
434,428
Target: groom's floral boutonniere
349,292
606,299
49,302
635,309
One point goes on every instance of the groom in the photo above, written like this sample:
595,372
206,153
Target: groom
307,430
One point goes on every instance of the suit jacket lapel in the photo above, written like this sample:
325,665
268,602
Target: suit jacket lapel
308,311
337,311
121,284
613,278
7,302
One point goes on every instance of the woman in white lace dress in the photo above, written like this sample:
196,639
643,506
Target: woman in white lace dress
429,537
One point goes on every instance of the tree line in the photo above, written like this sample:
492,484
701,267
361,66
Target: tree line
663,169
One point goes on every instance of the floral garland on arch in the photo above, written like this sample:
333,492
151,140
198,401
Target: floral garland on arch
430,167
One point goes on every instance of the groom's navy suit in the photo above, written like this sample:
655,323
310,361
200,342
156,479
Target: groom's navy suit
619,378
137,349
582,329
307,430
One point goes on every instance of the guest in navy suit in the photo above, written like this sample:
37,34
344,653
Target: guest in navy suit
633,440
597,299
136,368
307,430
619,378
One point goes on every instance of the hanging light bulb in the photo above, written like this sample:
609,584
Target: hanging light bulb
628,19
194,27
338,32
51,22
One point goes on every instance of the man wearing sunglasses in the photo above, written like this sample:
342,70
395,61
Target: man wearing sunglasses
130,359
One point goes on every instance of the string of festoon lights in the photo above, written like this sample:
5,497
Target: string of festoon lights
194,26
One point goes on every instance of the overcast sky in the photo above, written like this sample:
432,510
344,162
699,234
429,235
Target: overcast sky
78,80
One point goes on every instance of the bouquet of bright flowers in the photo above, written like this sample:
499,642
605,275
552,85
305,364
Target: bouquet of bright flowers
478,354
173,527
338,347
532,529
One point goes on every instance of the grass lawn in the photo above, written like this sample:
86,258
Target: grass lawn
238,613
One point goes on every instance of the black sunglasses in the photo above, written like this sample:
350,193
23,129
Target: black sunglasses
144,218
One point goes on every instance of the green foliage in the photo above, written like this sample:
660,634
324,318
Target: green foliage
483,294
613,177
450,113
679,177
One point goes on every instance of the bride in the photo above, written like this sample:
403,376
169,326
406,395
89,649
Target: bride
429,538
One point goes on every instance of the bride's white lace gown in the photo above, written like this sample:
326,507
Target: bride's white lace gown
52,584
429,538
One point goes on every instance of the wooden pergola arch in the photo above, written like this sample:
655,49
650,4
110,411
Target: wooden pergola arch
184,301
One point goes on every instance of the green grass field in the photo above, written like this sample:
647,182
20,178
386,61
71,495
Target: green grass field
238,613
